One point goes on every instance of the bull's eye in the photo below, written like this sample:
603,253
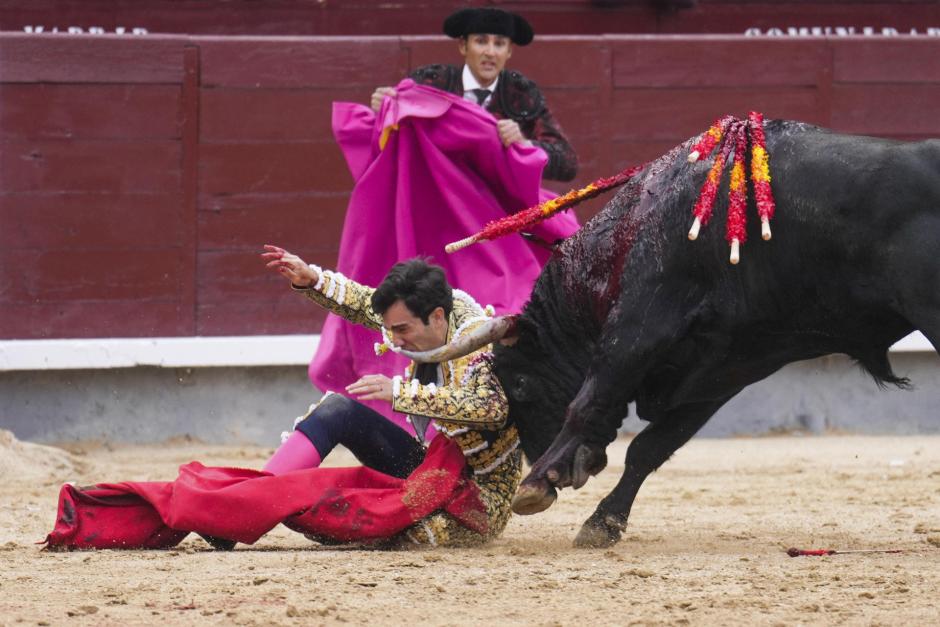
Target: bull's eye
520,387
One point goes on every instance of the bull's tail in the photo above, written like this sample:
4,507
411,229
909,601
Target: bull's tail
877,365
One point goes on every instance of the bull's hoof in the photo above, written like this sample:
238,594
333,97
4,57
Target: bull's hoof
596,534
533,498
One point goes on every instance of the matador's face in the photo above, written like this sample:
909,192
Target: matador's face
409,332
485,55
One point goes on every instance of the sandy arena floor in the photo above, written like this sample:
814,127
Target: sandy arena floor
705,546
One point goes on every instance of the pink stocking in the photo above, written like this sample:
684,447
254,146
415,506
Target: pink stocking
294,454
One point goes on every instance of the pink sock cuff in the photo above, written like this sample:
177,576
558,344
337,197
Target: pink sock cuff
296,453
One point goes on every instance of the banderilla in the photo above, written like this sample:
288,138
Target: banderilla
794,552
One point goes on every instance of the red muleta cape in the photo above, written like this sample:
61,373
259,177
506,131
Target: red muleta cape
342,504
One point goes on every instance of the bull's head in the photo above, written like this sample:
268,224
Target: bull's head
538,383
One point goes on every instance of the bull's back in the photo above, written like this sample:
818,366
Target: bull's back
854,213
850,211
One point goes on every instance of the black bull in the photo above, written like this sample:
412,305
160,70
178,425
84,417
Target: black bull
630,310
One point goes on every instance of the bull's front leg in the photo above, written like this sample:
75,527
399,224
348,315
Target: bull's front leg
647,452
638,333
591,423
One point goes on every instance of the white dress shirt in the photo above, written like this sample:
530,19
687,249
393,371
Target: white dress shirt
470,83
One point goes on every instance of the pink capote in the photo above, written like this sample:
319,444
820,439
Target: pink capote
443,173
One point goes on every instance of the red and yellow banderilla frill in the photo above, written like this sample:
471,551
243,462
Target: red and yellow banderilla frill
527,218
729,136
760,173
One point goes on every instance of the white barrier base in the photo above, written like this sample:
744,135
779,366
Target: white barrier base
165,352
201,352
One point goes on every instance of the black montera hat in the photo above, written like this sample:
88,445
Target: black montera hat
490,21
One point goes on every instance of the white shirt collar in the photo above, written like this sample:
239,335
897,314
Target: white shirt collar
470,82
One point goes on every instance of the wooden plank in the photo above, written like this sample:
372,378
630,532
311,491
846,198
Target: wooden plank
86,221
580,112
823,115
56,111
589,161
429,50
300,62
37,276
83,319
562,61
97,166
240,275
189,114
378,17
550,62
886,60
261,317
90,59
272,167
605,100
238,295
736,17
678,113
627,153
887,110
294,221
314,17
272,114
590,18
716,61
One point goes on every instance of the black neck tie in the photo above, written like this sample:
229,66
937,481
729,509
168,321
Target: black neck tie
482,95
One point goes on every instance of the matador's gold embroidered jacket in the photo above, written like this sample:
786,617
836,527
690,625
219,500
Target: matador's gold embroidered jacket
469,406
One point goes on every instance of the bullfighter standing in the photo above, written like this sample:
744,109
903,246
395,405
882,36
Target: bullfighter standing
431,164
485,37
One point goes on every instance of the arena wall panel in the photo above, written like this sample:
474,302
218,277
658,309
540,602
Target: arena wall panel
82,111
139,176
861,60
289,115
89,221
64,59
380,17
889,110
301,62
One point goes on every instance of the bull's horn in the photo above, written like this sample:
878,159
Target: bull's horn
487,333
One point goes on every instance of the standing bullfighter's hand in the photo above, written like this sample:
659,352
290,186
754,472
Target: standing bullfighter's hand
289,265
510,133
372,387
379,94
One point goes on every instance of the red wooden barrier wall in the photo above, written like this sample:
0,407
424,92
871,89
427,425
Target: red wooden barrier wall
380,17
139,176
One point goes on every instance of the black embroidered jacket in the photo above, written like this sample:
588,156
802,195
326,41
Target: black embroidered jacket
516,98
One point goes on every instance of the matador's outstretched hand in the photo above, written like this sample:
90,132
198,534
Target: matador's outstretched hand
289,265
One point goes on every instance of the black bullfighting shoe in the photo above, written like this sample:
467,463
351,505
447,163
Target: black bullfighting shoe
217,543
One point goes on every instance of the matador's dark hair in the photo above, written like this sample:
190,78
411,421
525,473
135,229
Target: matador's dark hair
422,286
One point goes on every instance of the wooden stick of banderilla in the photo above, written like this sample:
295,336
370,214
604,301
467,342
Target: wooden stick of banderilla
794,552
